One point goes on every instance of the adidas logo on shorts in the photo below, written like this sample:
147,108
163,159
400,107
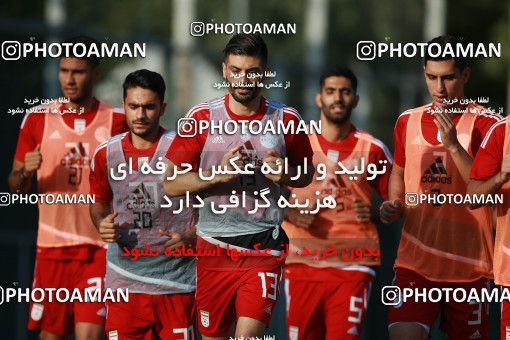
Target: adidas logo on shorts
101,312
353,331
477,335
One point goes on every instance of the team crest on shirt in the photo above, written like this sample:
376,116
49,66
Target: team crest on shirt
37,311
293,332
113,335
204,318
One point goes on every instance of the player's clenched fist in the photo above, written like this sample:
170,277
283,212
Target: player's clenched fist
391,211
178,239
363,211
275,162
226,163
33,160
109,229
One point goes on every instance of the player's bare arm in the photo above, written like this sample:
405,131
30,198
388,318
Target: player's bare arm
493,184
104,220
191,181
22,173
274,160
450,141
393,209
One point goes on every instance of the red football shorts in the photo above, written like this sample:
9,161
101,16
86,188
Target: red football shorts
326,303
225,295
146,316
60,318
460,320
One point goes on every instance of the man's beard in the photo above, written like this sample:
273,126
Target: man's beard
80,97
147,131
245,98
338,119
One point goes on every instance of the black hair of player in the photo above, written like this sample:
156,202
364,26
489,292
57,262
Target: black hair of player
87,42
340,71
460,62
247,44
146,80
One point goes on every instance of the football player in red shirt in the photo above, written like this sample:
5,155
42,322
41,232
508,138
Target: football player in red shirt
237,297
57,150
129,215
335,288
434,149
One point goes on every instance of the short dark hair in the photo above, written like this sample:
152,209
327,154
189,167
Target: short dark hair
460,62
340,71
146,80
87,41
247,44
